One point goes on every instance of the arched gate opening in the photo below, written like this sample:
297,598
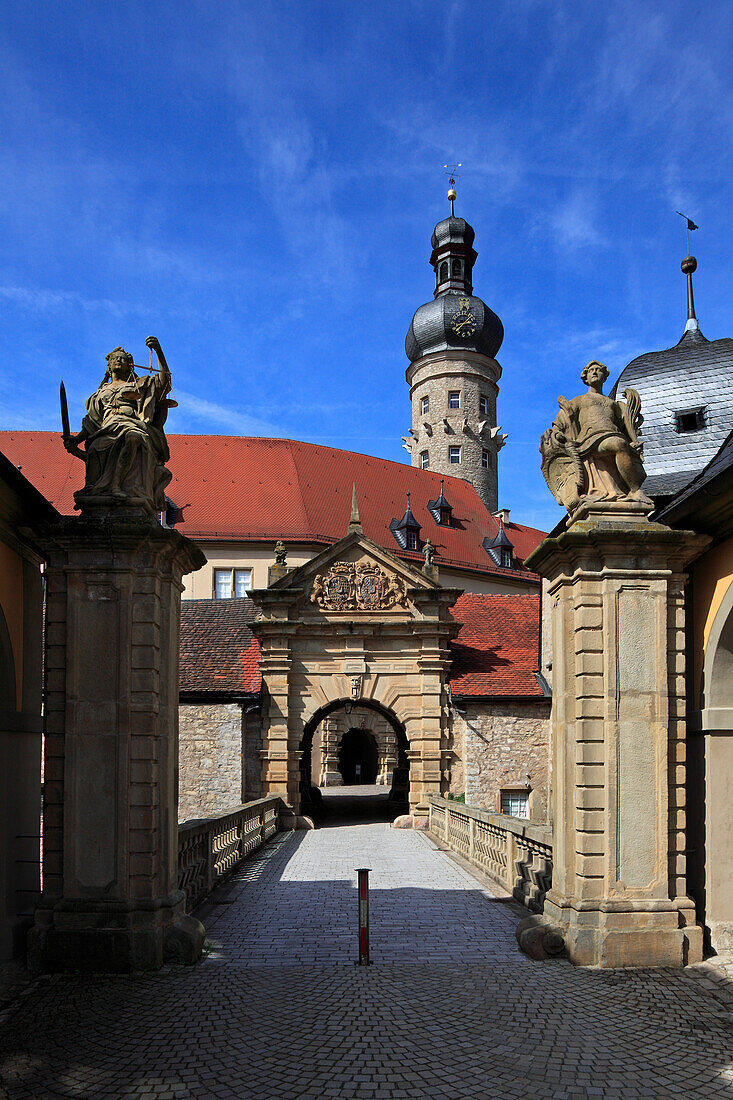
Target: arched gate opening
354,764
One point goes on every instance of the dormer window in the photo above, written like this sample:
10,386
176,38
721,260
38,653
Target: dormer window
441,510
690,420
406,530
500,549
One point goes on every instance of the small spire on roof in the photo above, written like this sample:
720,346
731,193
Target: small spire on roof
354,521
450,170
689,265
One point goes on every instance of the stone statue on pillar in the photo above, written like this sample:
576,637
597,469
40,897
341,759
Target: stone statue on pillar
615,582
123,435
111,899
593,451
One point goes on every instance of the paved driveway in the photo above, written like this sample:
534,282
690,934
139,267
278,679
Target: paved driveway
450,1008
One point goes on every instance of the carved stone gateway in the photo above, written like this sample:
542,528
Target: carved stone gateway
358,586
329,644
616,585
110,897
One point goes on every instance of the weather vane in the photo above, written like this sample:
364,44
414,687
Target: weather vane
690,225
451,170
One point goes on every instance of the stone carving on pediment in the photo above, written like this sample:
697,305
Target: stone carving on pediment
358,586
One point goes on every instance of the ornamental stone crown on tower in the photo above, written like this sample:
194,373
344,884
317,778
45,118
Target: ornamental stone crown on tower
453,375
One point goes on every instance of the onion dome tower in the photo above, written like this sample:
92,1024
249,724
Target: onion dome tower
687,402
453,375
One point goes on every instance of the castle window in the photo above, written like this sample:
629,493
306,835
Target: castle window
232,582
483,405
485,460
690,420
424,405
424,459
515,803
454,399
456,269
454,455
444,271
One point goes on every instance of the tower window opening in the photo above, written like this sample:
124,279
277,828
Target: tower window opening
483,405
424,460
690,420
424,405
486,460
456,269
444,271
454,399
454,455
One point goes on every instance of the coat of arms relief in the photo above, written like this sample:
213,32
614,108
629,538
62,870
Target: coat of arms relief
358,586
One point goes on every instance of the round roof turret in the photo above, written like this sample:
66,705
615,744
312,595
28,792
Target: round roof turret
454,320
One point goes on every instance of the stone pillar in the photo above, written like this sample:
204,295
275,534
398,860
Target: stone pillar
110,897
618,738
330,738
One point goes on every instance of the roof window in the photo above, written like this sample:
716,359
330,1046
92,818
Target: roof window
406,530
690,420
440,509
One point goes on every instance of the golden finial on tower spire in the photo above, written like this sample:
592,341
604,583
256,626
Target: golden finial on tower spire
451,170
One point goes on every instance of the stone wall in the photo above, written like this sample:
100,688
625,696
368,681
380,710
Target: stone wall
497,745
210,776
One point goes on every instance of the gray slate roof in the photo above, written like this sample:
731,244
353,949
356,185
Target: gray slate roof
431,330
694,373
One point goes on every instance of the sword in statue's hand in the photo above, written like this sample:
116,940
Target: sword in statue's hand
72,448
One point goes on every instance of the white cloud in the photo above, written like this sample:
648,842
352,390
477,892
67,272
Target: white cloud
192,407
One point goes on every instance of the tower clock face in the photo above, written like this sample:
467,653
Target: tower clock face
464,322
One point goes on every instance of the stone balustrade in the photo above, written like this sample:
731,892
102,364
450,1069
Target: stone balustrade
514,852
209,847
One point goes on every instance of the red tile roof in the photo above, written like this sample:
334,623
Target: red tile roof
495,654
219,653
496,651
253,489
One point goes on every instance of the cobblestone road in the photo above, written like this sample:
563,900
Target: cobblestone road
449,1010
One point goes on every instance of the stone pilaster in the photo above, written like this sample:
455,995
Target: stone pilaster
616,584
110,900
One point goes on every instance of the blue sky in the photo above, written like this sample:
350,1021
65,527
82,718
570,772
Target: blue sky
256,185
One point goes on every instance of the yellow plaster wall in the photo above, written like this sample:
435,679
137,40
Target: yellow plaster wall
712,576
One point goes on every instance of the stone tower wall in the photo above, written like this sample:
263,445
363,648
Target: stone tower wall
473,376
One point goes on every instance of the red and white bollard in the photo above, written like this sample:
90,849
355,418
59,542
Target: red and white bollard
363,873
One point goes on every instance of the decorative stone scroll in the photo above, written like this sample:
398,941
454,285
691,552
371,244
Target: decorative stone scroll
358,586
593,450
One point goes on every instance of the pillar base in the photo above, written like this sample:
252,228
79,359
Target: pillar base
113,936
619,934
